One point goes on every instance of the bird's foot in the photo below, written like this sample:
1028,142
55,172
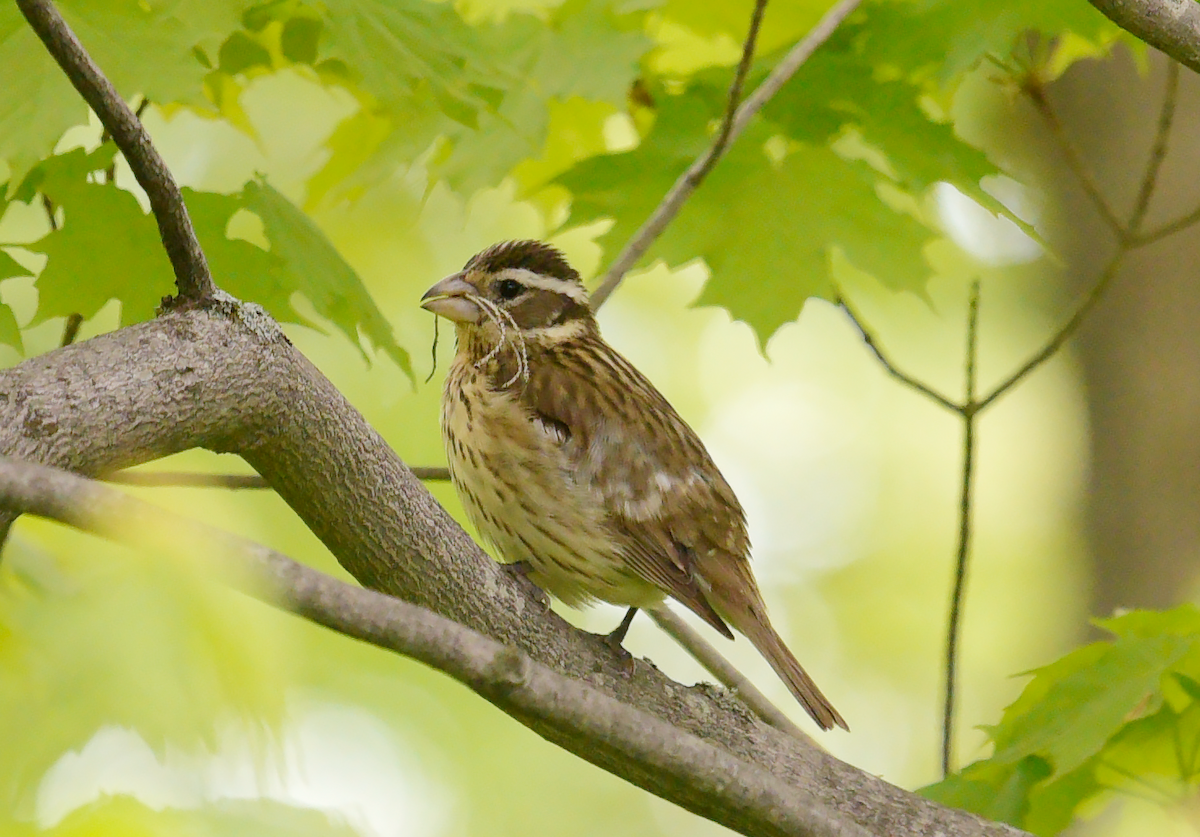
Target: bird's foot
616,639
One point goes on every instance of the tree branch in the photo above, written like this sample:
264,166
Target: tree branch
231,383
1037,94
896,372
1127,234
704,653
503,675
1158,152
192,276
734,123
181,479
1170,26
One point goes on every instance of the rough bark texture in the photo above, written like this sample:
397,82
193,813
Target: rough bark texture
225,378
1171,26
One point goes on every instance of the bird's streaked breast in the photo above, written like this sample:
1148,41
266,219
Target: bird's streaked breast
522,495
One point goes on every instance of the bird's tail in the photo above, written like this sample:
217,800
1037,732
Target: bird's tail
758,630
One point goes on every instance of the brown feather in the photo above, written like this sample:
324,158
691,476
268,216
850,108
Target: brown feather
631,458
583,468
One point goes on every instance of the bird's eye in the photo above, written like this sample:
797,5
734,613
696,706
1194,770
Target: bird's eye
509,288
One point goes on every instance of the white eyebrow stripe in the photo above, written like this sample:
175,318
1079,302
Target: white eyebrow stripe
546,283
569,330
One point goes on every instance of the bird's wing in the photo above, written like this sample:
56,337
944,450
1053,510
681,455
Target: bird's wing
666,501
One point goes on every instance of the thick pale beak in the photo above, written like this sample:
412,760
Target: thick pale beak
448,298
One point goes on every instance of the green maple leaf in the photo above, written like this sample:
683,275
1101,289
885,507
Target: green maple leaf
838,89
144,48
946,37
10,332
1121,714
37,103
764,226
305,261
395,48
541,61
243,269
107,248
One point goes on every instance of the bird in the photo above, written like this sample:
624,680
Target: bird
573,466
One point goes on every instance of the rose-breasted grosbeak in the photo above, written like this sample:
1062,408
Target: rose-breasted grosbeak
567,459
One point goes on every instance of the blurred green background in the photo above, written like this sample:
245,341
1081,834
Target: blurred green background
141,696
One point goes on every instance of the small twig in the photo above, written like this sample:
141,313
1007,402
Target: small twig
181,479
687,182
690,179
901,376
1127,237
1165,230
735,94
1060,337
192,276
71,329
706,655
1037,94
969,413
1158,152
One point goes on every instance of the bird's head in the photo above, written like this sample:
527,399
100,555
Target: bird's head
527,286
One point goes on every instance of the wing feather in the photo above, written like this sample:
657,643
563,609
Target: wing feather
666,501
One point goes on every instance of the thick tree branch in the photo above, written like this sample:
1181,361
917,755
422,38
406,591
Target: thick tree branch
1170,26
228,381
192,276
734,123
503,675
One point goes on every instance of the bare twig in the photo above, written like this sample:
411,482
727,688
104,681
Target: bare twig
954,626
1037,94
1158,152
192,276
893,370
735,122
704,653
1126,234
735,94
1166,230
1127,239
180,479
1061,336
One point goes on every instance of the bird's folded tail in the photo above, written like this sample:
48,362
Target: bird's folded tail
767,641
